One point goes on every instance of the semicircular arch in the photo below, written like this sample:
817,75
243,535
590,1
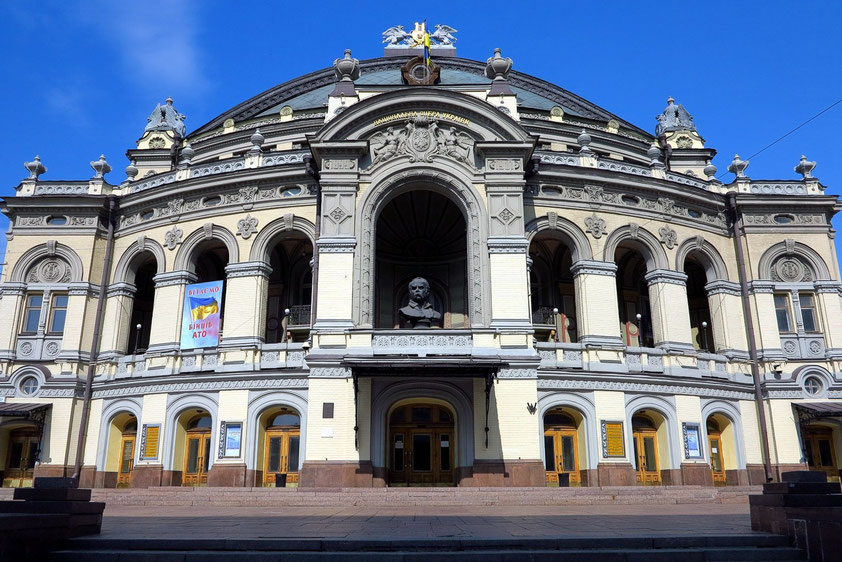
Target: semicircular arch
706,254
127,262
787,248
185,260
641,240
36,253
263,242
567,230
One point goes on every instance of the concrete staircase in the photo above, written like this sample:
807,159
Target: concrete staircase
395,497
652,549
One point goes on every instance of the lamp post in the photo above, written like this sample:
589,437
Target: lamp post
137,337
285,323
639,318
555,323
705,336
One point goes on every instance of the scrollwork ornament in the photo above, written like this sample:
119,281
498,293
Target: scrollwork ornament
595,226
172,238
247,226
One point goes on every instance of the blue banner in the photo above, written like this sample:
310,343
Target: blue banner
200,319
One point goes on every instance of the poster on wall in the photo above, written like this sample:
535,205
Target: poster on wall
200,319
231,434
692,440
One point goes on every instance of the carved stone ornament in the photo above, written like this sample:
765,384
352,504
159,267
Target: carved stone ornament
49,270
247,226
173,237
596,226
421,139
669,238
790,269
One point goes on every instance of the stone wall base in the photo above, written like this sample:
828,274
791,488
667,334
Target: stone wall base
104,479
227,475
696,474
336,474
146,475
757,476
615,474
515,473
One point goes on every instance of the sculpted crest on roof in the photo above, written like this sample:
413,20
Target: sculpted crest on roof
166,118
674,118
397,37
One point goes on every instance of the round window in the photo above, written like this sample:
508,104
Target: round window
813,385
29,386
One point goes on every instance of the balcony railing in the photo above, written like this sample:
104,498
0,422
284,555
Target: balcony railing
299,316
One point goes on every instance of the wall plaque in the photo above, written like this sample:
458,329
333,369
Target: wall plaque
613,444
150,438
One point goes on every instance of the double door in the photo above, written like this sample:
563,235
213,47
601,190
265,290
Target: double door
124,474
421,456
646,454
561,456
197,458
820,452
717,460
281,454
20,462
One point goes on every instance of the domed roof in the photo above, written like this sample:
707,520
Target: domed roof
311,91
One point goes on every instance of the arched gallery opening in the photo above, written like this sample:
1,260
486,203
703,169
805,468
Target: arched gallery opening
290,288
211,258
422,447
565,455
144,268
697,301
633,294
192,447
421,233
552,289
278,446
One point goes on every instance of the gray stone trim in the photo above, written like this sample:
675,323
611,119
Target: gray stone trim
507,245
720,287
677,347
827,286
336,245
137,387
758,287
642,388
666,276
602,341
517,373
83,289
48,249
248,269
330,373
13,289
169,278
593,267
120,290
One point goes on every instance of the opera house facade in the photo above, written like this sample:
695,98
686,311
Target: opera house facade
419,271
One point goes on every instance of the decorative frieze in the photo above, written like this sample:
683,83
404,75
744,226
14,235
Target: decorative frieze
172,237
501,245
137,388
721,287
593,267
217,168
336,245
517,373
330,373
641,388
413,341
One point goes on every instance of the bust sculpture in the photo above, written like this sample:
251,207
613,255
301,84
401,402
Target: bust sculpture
419,312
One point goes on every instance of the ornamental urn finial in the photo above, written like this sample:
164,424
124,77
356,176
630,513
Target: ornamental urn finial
131,171
347,68
497,67
584,140
36,168
101,167
654,154
710,172
738,167
256,142
804,167
187,154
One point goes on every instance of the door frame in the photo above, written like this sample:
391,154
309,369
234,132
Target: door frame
646,477
812,435
126,481
286,433
202,460
719,478
31,441
436,429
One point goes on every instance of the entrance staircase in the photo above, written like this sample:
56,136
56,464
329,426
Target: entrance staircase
394,497
652,549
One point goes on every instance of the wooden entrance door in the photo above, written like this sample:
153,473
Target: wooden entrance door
421,445
821,454
124,474
646,454
717,459
20,461
281,455
561,448
196,458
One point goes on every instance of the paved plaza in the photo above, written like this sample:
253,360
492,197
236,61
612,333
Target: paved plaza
424,522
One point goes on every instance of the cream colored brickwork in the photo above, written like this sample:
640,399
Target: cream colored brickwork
331,439
115,324
11,310
611,406
495,446
783,432
92,442
831,318
751,432
688,409
245,307
336,277
670,323
597,311
233,407
518,429
154,412
509,287
166,316
727,322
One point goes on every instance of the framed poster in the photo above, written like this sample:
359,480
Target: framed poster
692,434
200,318
150,437
230,439
613,443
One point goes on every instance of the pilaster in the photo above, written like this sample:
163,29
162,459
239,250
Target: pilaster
116,324
726,315
245,304
597,311
670,310
165,332
11,304
509,282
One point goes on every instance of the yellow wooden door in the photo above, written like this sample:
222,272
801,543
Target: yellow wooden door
281,456
717,459
562,455
196,458
821,454
124,475
20,461
646,454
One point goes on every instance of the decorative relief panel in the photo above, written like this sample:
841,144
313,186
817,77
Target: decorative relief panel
669,237
338,214
595,226
49,270
415,341
247,226
172,238
506,214
791,269
421,139
340,164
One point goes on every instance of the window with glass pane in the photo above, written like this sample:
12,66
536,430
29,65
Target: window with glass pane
782,312
292,458
568,462
824,452
649,451
274,464
32,314
549,453
809,315
445,452
58,313
422,453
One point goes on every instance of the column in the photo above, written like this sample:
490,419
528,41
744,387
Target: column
116,323
670,311
597,310
726,317
11,304
79,322
245,304
165,335
830,311
767,335
509,282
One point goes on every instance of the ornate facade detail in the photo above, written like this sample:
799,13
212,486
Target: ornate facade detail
199,386
50,270
172,237
421,139
503,164
791,269
405,341
595,226
515,373
219,168
247,226
641,388
339,164
669,237
330,373
278,159
593,267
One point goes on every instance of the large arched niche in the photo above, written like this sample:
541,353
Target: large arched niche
434,179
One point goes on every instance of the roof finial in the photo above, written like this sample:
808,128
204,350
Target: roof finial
36,168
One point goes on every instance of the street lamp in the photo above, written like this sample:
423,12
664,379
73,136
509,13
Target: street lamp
705,336
137,337
555,323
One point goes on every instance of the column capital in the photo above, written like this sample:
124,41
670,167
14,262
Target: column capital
666,276
83,288
120,290
169,278
722,287
757,287
248,269
593,267
336,245
827,286
508,245
12,289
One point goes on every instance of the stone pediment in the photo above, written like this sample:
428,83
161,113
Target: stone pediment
421,137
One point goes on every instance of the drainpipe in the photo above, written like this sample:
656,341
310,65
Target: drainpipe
752,345
100,309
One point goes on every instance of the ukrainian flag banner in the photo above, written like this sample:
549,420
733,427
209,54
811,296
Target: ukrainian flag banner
201,316
426,48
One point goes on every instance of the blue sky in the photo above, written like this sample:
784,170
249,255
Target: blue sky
80,77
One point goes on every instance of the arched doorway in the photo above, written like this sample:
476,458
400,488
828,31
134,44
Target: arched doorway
121,448
645,447
820,450
421,445
279,445
421,233
195,437
21,456
562,452
716,447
